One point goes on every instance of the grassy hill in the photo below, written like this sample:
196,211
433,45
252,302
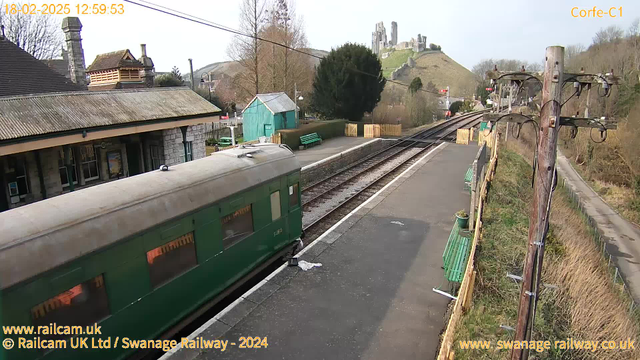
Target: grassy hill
434,66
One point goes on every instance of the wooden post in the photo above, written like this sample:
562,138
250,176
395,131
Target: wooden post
466,304
543,183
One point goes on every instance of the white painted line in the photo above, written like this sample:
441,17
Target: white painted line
319,162
366,201
230,307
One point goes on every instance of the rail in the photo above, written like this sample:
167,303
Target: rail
447,132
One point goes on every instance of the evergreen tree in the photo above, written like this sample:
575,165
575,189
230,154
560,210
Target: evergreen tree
175,73
416,84
348,83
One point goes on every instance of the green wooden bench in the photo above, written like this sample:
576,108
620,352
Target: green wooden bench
225,141
467,178
310,139
456,254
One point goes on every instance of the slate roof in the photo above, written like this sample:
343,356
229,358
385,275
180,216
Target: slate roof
24,116
276,102
61,66
21,73
113,60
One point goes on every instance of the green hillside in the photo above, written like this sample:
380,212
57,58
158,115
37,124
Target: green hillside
434,66
395,60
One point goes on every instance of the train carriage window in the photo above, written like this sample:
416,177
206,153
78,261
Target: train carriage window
293,195
82,305
171,259
236,226
275,206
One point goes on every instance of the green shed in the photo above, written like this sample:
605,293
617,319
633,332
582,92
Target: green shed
268,113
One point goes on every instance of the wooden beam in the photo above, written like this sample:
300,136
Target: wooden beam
100,134
506,117
609,124
581,77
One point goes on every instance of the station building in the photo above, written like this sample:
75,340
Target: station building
56,136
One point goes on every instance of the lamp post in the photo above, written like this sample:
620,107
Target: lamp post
296,98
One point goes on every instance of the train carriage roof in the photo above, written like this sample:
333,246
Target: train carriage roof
41,236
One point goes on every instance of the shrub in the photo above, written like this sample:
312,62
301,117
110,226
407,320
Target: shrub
326,130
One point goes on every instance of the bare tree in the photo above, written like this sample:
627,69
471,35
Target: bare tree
39,35
245,49
481,68
633,34
570,54
285,66
610,34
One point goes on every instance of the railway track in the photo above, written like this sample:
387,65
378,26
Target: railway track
320,212
330,199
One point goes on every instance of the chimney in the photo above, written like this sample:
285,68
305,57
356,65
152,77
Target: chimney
71,27
148,72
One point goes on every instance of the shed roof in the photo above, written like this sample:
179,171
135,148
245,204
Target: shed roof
31,115
276,102
21,73
113,60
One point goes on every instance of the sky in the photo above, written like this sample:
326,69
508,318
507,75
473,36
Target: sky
468,30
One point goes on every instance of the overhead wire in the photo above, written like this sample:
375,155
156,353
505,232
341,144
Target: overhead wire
185,16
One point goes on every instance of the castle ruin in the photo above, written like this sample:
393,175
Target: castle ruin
379,40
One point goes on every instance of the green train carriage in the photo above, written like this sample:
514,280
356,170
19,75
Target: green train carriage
138,255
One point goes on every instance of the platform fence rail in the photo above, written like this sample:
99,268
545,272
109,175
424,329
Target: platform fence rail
479,169
463,300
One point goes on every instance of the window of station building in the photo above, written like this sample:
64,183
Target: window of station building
17,178
84,304
171,259
89,162
275,206
157,156
189,149
64,175
236,226
293,195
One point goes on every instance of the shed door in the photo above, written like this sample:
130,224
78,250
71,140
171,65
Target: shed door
268,130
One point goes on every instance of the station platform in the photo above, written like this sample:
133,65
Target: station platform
327,148
372,297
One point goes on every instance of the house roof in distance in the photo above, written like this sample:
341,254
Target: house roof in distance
276,102
21,73
114,60
33,115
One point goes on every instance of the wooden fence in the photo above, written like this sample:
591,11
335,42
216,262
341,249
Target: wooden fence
463,300
462,136
372,131
377,130
390,130
351,130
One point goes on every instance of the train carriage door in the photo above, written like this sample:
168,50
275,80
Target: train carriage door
268,130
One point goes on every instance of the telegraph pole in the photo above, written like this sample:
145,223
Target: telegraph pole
543,184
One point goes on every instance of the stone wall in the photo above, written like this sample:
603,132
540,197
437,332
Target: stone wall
174,149
331,165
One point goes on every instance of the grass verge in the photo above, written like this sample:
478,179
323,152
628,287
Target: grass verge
586,304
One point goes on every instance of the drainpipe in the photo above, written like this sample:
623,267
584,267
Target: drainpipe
43,189
184,141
